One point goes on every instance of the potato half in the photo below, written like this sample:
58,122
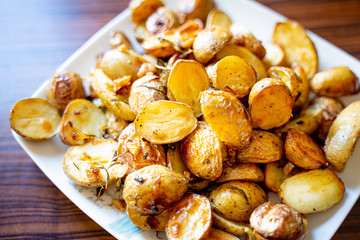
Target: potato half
142,9
192,9
155,222
218,18
243,172
288,76
274,175
163,20
236,228
35,119
275,55
304,89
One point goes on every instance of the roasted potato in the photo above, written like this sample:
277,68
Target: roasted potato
118,39
82,122
303,151
90,164
241,172
114,126
141,32
342,136
227,117
192,9
236,200
288,76
218,18
216,234
304,88
163,20
190,218
142,9
187,89
335,82
236,228
270,103
145,90
264,147
313,191
155,222
153,189
63,88
275,55
209,42
164,121
233,74
246,54
297,45
274,175
35,119
203,153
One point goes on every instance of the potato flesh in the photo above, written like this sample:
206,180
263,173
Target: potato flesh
304,87
163,20
274,176
218,18
236,228
313,191
34,119
190,218
192,9
216,234
142,9
288,76
274,56
187,80
244,172
342,136
164,121
155,222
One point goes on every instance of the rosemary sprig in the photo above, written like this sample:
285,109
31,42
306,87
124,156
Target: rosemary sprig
175,46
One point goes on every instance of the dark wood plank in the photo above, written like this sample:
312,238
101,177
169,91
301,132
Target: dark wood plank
37,36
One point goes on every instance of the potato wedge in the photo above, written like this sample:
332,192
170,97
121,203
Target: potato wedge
342,136
236,228
162,20
187,79
227,117
313,191
164,121
246,54
242,172
270,103
142,9
216,234
275,55
218,18
82,122
288,76
335,82
90,164
236,200
202,152
153,189
303,151
117,103
304,88
192,9
297,45
190,218
233,74
274,175
35,119
264,147
155,222
209,42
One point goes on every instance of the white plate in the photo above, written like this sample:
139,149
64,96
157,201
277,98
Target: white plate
261,21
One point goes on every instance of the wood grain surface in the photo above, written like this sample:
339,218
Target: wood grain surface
36,37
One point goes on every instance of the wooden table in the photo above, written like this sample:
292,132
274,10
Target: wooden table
37,36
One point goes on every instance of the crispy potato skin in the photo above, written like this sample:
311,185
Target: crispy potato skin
304,87
242,172
236,200
142,9
270,103
193,208
202,153
303,151
264,147
342,136
319,191
138,152
155,222
192,9
63,88
153,189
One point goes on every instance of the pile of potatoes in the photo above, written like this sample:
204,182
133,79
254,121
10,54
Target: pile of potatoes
200,126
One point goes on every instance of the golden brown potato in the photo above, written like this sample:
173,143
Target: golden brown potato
335,82
118,39
216,234
274,175
319,191
236,200
342,136
264,147
331,108
209,42
174,160
288,76
153,189
142,9
163,20
190,218
141,32
202,152
227,117
153,46
35,119
89,164
297,45
246,54
303,151
82,122
198,184
145,90
242,172
218,18
277,221
155,222
233,74
164,121
270,103
275,55
236,228
304,88
187,80
114,126
138,152
192,9
63,88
